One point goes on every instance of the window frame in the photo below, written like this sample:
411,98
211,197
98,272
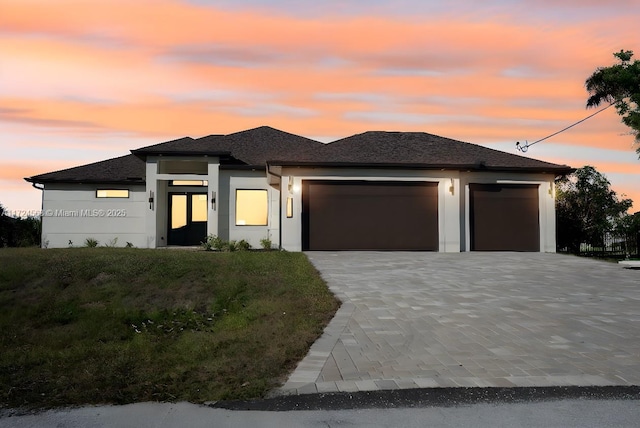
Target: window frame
189,183
235,219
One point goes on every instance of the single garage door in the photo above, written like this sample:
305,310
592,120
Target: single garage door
369,215
504,217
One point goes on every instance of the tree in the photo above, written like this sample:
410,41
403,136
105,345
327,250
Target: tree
619,84
19,232
6,229
586,209
629,229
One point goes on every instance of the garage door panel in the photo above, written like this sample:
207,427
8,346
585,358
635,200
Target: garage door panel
370,216
504,217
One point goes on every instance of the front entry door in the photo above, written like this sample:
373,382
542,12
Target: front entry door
187,218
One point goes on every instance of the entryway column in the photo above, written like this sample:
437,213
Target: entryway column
152,206
213,176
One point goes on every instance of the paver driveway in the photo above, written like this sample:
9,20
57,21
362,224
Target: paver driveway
420,319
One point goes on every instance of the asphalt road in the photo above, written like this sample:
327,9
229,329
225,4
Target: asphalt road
540,407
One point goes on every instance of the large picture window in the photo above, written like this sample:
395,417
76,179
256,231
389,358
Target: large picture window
252,207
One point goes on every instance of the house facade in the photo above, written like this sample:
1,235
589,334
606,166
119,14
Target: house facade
370,191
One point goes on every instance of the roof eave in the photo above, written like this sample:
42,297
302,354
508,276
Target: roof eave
457,167
37,180
243,167
144,153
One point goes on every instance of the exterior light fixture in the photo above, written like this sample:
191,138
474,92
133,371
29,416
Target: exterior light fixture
150,199
213,200
451,187
289,207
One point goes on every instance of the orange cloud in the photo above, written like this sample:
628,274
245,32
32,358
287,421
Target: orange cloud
16,172
167,68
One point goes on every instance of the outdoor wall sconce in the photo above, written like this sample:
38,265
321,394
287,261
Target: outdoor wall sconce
289,207
213,200
451,187
293,188
150,199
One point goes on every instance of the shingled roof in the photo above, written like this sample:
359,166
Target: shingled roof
259,146
422,150
251,147
122,170
185,146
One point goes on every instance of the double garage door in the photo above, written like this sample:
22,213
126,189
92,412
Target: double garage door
392,215
369,215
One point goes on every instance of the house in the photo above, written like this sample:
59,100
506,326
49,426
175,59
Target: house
371,191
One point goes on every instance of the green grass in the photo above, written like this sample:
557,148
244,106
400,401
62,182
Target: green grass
106,325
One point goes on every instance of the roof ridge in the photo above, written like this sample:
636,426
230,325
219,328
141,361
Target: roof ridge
271,128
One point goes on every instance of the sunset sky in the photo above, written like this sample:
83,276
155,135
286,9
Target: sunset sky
83,81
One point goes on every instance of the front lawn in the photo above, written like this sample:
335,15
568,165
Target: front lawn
106,325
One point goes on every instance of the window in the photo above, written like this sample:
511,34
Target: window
112,193
189,183
178,211
198,207
252,207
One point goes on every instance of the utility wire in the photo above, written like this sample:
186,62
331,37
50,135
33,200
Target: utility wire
524,147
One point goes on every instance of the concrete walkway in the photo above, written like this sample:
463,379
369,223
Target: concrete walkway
423,320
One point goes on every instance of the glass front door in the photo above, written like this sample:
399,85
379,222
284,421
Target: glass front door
187,218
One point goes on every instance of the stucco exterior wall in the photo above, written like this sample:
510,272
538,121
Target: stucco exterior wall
239,179
72,212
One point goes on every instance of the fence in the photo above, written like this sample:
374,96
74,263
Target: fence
613,245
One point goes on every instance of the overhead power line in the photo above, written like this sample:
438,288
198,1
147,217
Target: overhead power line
524,147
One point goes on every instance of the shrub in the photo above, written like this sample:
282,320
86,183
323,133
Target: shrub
214,242
91,243
113,243
243,245
266,244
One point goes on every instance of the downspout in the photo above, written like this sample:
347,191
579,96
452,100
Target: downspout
35,186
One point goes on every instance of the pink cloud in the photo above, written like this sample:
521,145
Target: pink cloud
164,68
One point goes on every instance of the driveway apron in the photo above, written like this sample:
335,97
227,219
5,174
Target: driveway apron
429,320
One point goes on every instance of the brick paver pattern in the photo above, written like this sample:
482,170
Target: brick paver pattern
421,320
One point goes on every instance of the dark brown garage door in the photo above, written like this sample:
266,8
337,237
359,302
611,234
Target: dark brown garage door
504,217
366,215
